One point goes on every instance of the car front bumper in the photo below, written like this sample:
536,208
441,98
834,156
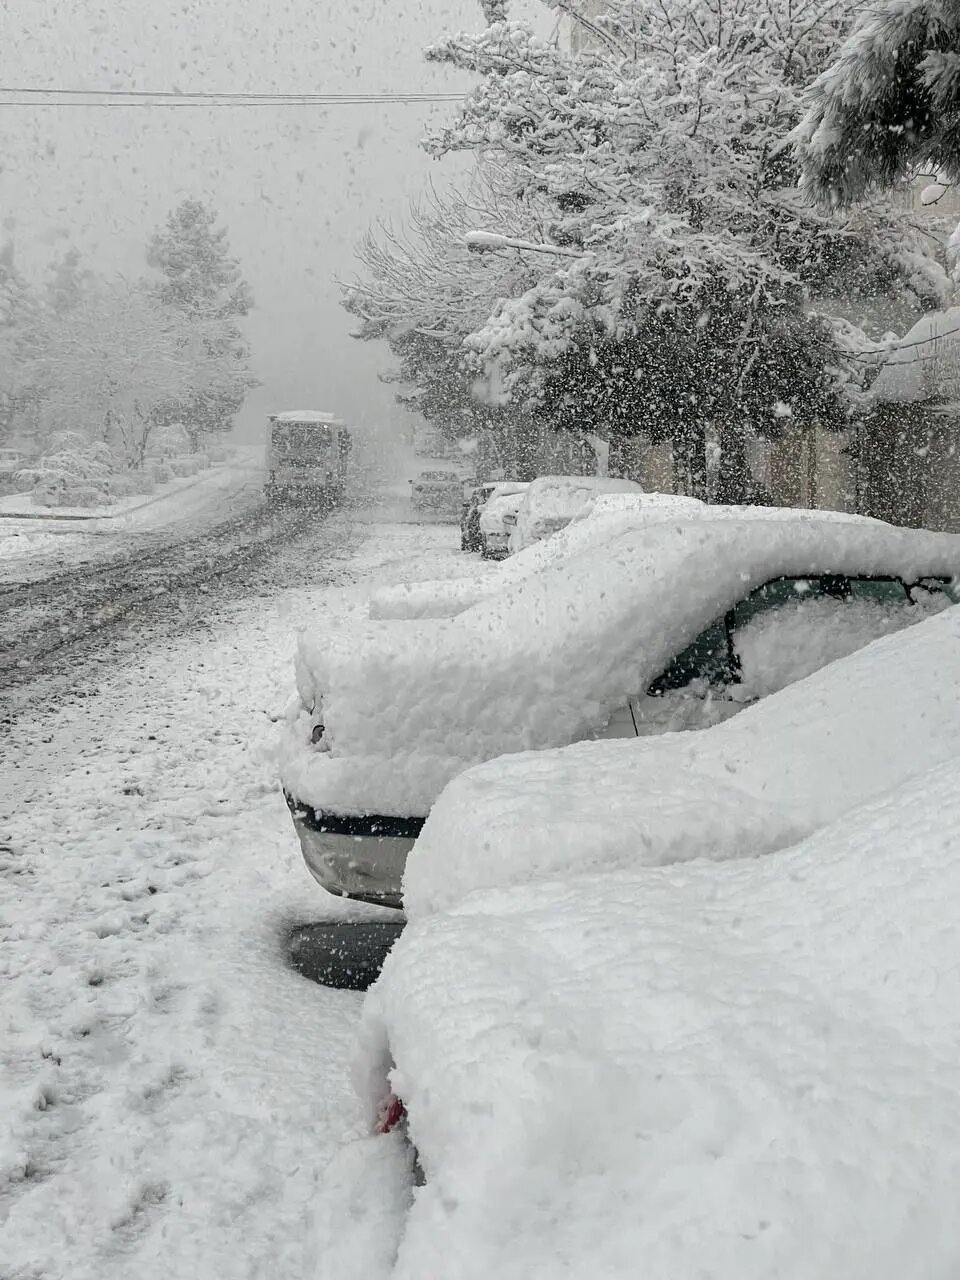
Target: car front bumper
496,546
356,857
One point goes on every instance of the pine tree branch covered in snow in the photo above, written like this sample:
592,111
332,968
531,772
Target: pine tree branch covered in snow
889,105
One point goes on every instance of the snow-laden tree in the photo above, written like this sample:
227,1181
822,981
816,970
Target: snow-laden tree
202,281
67,281
21,339
112,363
424,291
674,206
888,106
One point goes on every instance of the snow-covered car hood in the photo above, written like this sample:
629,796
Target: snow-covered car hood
541,663
739,1071
856,729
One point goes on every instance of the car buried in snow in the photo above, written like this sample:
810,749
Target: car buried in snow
674,626
551,502
477,504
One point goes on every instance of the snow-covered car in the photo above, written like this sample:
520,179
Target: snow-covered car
597,524
437,491
678,625
739,1070
497,520
849,732
471,538
553,501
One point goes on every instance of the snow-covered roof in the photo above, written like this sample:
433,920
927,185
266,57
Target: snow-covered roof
548,658
307,416
743,1070
924,364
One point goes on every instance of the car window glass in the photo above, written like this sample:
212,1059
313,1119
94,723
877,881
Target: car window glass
796,636
706,659
882,590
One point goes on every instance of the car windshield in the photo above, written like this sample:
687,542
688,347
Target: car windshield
459,461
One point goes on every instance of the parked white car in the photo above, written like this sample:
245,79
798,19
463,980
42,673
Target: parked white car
497,518
601,520
738,1070
677,625
553,501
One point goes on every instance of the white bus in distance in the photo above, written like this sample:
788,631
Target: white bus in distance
307,454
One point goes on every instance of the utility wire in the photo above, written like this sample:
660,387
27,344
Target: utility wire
21,96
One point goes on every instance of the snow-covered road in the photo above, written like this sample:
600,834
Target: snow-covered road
170,1092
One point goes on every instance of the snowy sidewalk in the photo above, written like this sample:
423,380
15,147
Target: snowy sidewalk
242,472
170,1092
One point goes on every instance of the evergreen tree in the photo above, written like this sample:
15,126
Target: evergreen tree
888,105
203,282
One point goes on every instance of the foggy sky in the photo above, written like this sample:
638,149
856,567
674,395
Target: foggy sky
295,186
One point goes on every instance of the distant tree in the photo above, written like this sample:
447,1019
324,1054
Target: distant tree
888,105
21,341
204,283
119,357
66,282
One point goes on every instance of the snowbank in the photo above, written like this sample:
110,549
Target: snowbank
777,771
738,1071
547,659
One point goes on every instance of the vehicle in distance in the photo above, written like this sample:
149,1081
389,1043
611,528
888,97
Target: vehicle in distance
437,492
307,456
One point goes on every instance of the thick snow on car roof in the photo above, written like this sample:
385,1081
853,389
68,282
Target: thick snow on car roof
408,705
553,498
601,519
796,760
739,1071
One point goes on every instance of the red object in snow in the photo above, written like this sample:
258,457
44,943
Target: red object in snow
389,1114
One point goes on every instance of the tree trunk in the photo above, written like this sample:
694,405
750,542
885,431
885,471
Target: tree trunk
690,460
601,451
734,481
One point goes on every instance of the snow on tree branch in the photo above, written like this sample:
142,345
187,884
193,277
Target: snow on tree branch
887,106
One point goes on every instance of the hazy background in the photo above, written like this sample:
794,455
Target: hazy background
295,186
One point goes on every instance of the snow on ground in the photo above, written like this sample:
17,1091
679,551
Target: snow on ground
171,1094
737,1071
29,547
168,501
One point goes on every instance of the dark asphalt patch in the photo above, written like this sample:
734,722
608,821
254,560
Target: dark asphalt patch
347,954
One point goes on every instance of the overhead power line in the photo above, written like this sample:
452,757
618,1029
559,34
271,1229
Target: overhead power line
32,96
